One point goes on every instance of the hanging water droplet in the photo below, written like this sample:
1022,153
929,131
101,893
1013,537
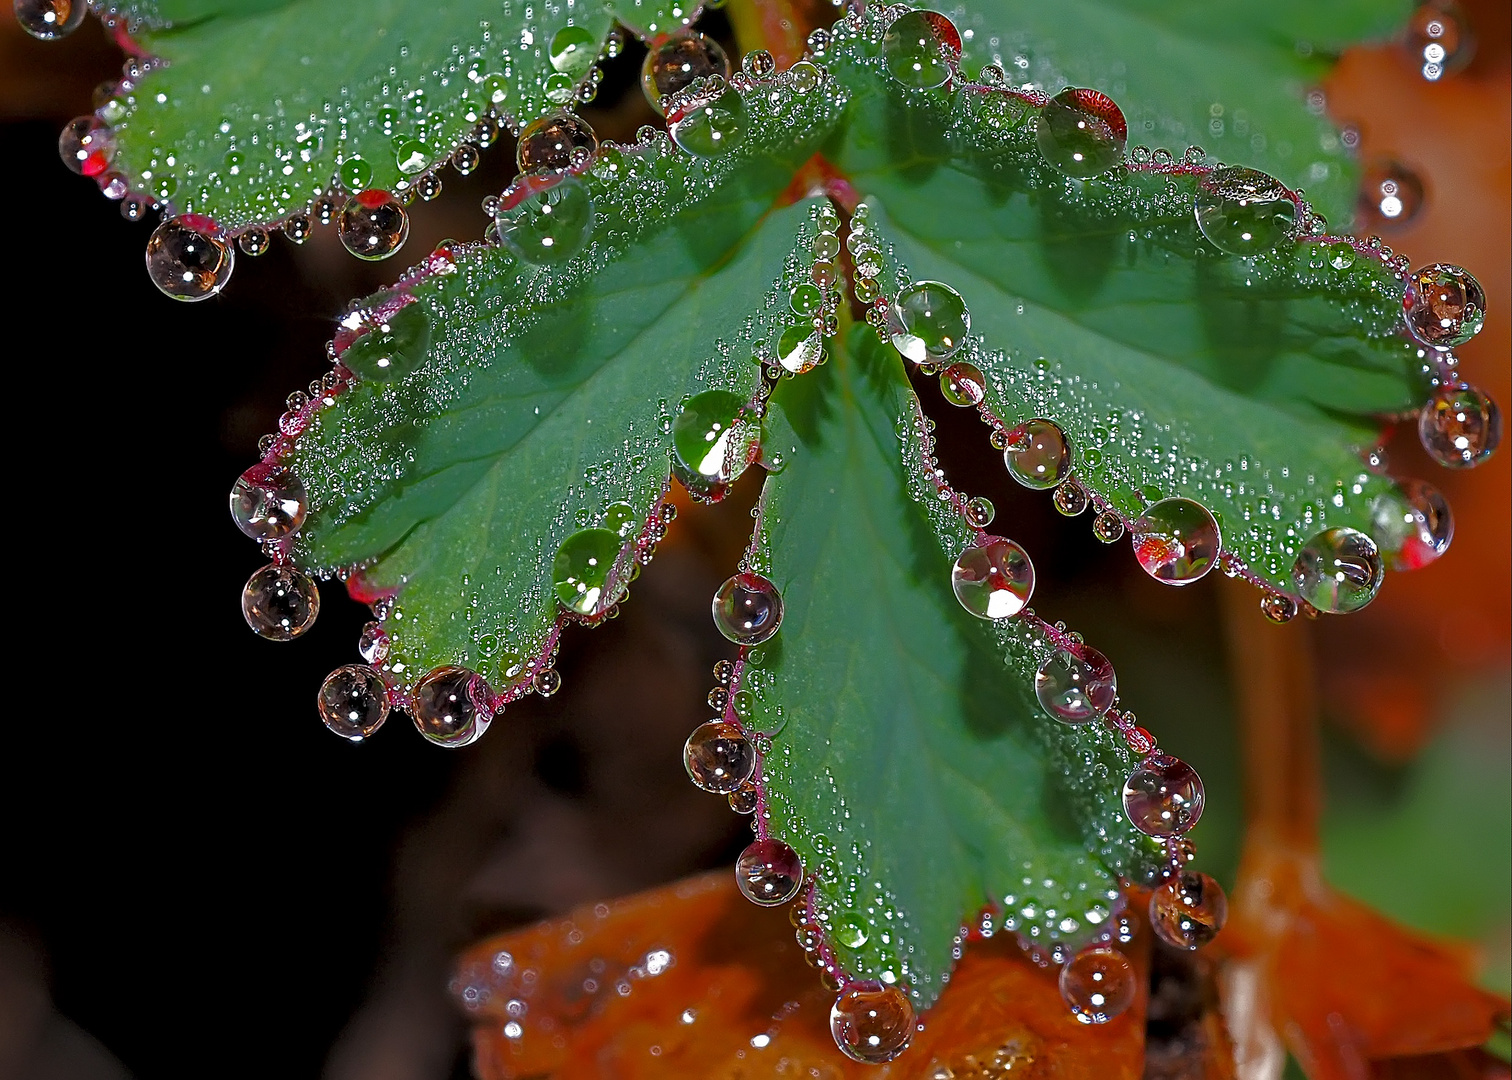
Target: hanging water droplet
546,682
748,609
1075,687
1413,530
1038,455
711,128
1098,984
392,347
297,228
1242,211
50,19
573,50
800,348
719,759
871,1022
1108,527
280,602
1163,796
450,706
769,872
921,49
1444,306
373,643
1438,39
1188,910
932,322
713,441
1278,607
1390,194
1082,132
678,61
268,502
581,571
979,512
552,142
465,159
546,219
373,225
253,241
353,701
1340,570
86,145
186,260
1460,426
994,579
1176,541
743,799
1070,498
963,384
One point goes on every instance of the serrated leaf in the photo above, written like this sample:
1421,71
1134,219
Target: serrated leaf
909,763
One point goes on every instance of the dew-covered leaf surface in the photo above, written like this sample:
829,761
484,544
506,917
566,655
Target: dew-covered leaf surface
1232,78
910,765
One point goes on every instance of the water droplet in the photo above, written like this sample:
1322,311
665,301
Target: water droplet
1075,687
280,602
355,173
806,299
1037,454
713,440
1098,984
1341,255
804,77
1278,608
450,706
850,931
86,145
979,512
743,799
1176,541
297,228
1163,796
1188,910
353,701
1438,39
1082,132
373,225
678,61
921,49
871,1022
993,580
719,759
1243,211
769,872
573,50
1414,530
963,384
1108,527
546,682
932,322
373,643
1460,426
1340,570
711,128
546,218
1070,498
581,571
186,260
392,347
552,142
428,186
465,159
748,609
268,502
800,348
622,519
1444,306
50,19
759,64
1390,194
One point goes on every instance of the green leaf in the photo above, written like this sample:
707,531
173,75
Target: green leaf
1232,78
1248,384
263,106
908,762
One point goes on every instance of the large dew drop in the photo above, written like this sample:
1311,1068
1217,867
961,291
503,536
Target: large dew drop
50,19
280,603
1038,454
713,441
187,260
546,219
268,502
769,872
353,702
921,49
573,50
1176,541
1443,305
994,579
1075,687
556,141
680,60
1340,570
711,128
582,568
450,706
1414,530
1082,132
872,1023
800,348
373,225
1188,910
748,609
719,759
1460,426
86,145
931,322
393,346
1098,984
1244,212
1163,796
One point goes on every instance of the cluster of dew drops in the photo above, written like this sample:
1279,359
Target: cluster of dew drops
545,218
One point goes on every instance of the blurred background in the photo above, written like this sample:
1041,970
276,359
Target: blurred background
197,875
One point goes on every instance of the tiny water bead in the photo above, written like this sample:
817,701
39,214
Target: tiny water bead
921,49
1460,426
353,701
1082,132
994,579
963,384
450,706
373,225
1176,541
1038,455
1188,910
748,609
1390,194
280,602
711,128
872,1023
931,322
712,438
1075,687
393,346
268,502
50,19
719,759
86,145
580,572
680,60
1444,306
545,224
1163,796
1244,212
768,872
1340,570
554,141
187,261
1098,984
